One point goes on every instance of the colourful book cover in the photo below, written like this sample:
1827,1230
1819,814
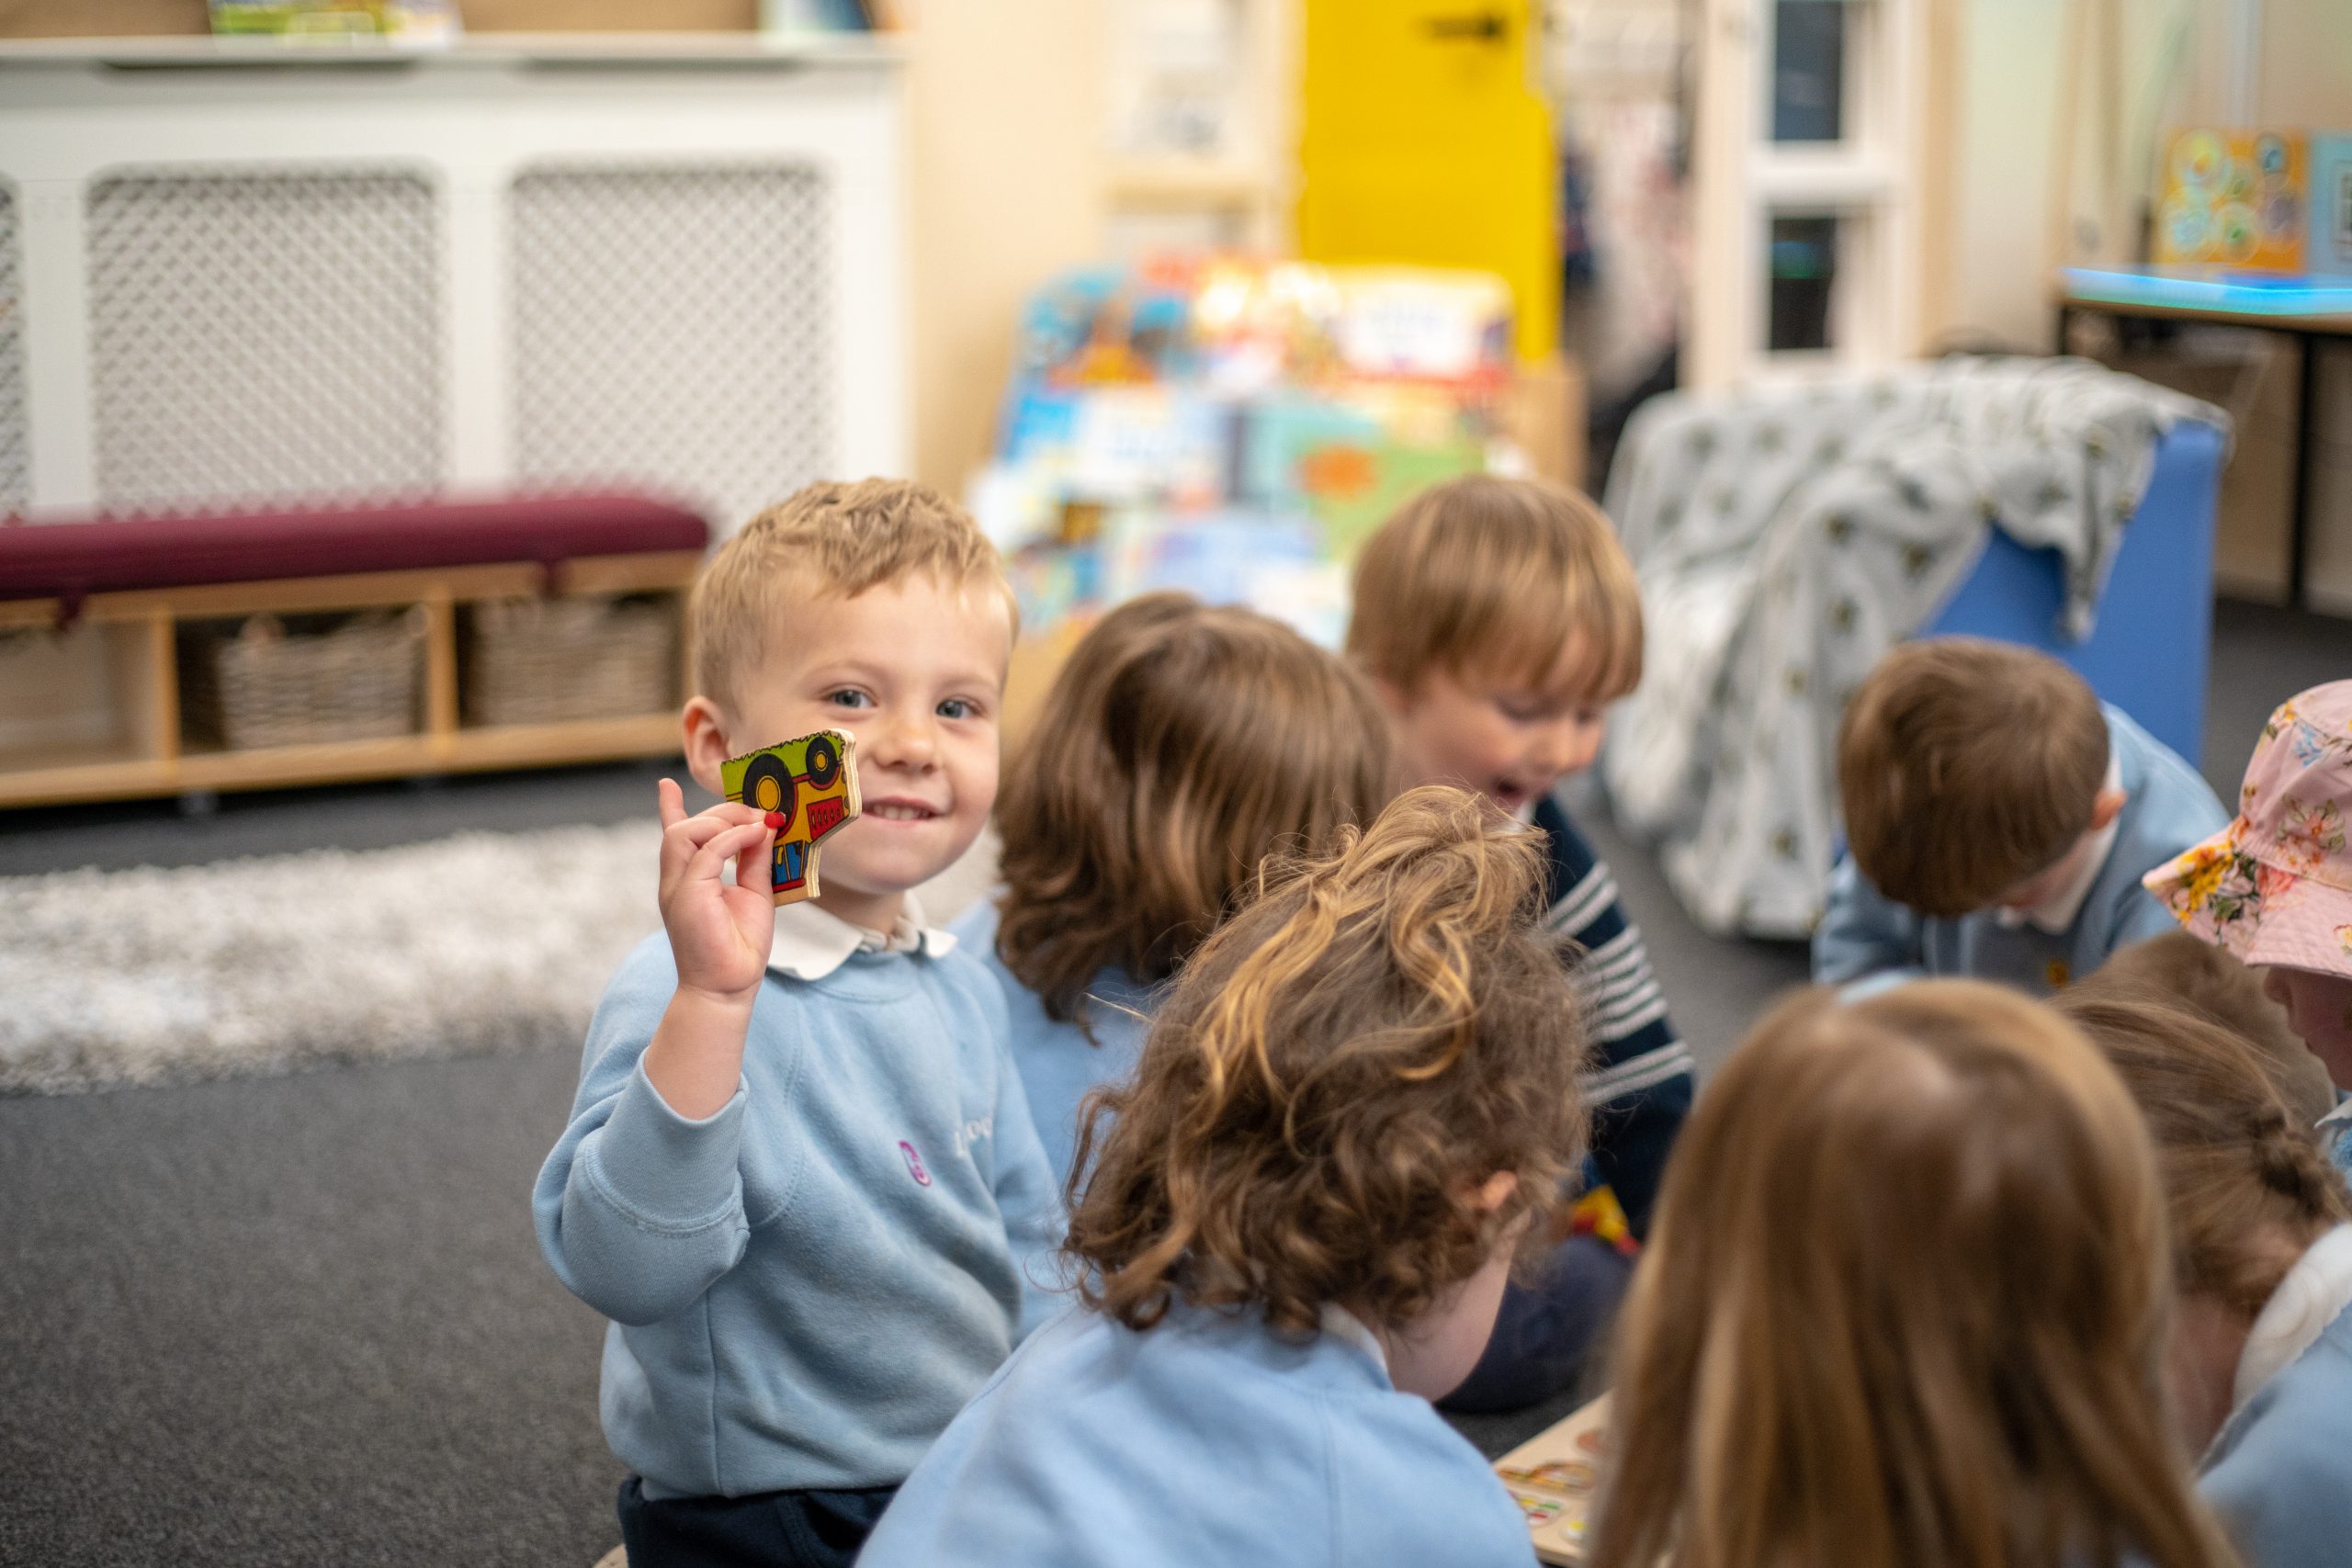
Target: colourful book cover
2235,198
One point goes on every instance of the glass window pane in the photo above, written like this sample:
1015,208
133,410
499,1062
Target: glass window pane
1803,267
1808,70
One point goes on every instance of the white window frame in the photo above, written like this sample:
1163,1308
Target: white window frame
1872,180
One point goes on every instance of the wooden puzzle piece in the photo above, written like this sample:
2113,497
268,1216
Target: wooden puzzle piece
1569,1475
1552,1477
807,787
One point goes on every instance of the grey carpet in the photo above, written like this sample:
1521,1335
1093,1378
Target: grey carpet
295,1322
302,1320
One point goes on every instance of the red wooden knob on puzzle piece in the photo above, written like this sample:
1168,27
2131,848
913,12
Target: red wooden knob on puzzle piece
774,820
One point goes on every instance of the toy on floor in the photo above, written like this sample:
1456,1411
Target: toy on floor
808,786
1552,1477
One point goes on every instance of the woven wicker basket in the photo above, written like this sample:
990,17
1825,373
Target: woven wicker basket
550,661
268,686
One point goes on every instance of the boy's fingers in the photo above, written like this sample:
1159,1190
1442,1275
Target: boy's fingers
670,802
755,867
687,834
704,866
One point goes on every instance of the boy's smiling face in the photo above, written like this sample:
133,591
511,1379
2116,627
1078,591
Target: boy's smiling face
914,671
1509,739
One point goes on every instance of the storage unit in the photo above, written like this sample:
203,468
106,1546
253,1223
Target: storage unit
130,663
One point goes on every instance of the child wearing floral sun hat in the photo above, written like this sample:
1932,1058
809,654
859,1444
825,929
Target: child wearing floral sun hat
2276,888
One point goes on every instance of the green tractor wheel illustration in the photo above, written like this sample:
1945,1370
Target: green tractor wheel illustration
824,764
767,786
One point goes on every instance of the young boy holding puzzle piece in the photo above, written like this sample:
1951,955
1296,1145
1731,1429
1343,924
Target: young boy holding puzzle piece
801,1175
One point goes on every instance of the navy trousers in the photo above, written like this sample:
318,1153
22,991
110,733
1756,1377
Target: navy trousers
772,1529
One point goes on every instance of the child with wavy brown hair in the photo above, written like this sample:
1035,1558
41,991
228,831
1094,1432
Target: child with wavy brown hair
2262,1252
1359,1098
1906,1302
1180,745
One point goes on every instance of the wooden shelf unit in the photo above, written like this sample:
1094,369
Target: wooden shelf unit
150,755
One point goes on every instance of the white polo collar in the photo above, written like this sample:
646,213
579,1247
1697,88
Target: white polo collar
2313,1295
2055,915
1343,1325
812,942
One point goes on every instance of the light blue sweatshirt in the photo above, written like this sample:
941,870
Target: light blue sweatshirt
1867,937
1207,1439
2280,1475
1059,1065
808,1283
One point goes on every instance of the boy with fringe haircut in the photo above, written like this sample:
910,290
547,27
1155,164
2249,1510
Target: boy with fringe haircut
1497,619
1999,820
800,1176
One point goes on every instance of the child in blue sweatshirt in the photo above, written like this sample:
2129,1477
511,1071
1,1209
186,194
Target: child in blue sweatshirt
2261,1345
1179,746
1358,1098
1999,820
801,1175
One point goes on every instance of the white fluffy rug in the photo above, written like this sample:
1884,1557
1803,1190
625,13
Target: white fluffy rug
483,942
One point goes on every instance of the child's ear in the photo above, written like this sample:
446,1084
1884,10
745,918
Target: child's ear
2104,809
706,742
1396,698
1496,1190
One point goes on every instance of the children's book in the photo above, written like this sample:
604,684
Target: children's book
1552,1476
2235,198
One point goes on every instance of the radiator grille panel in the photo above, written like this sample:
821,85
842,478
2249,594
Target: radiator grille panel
265,337
15,476
671,331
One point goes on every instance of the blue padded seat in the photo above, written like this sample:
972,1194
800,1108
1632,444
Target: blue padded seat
2148,652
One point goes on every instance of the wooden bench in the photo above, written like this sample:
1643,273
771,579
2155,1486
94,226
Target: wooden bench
90,701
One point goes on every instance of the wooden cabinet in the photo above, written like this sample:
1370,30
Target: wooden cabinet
93,711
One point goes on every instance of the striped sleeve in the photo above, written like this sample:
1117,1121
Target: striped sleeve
1640,1080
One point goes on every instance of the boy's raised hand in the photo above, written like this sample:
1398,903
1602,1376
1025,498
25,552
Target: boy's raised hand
720,934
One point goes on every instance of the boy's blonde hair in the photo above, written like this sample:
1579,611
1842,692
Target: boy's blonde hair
1179,747
1503,578
1905,1302
2241,1170
1965,767
1336,1072
828,537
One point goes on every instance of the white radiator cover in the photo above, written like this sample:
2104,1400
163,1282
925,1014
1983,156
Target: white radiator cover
226,283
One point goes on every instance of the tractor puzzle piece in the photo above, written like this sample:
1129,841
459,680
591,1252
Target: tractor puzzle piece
808,789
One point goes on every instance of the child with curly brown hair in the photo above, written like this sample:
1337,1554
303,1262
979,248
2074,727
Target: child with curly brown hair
1356,1103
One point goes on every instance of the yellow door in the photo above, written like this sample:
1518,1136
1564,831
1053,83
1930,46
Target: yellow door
1424,141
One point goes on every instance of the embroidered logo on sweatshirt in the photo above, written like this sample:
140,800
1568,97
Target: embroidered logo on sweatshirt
914,1163
972,1132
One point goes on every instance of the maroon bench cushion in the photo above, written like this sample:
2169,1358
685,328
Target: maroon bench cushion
73,560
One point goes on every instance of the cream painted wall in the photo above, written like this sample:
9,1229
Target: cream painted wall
1008,177
2009,100
2002,174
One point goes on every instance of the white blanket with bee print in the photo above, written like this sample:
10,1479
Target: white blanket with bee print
1787,536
